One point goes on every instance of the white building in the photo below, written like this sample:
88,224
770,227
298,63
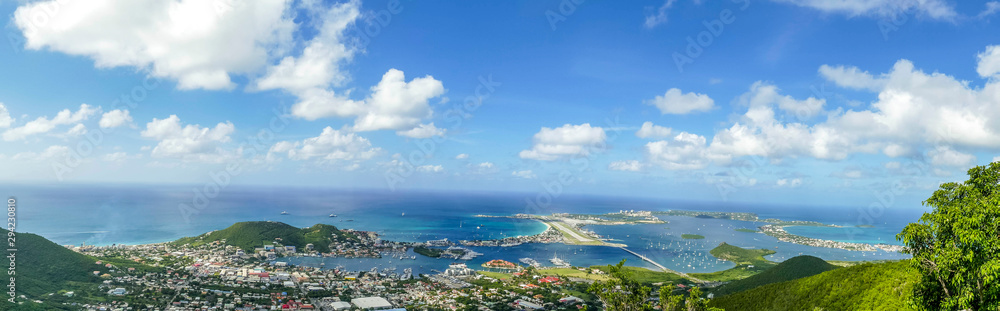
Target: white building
371,303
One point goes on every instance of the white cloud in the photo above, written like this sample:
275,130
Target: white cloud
526,174
650,130
992,7
945,156
685,152
430,168
485,165
659,16
630,165
44,125
190,142
423,131
77,130
893,165
398,105
330,146
566,141
989,62
52,152
996,159
5,119
200,44
791,183
115,118
115,157
676,102
936,9
462,156
851,77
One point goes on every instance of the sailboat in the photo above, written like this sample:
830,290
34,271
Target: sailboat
284,212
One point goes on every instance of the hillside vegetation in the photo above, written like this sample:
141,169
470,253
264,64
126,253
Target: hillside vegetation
791,269
252,234
869,286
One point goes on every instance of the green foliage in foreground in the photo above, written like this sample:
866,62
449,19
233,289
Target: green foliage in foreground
692,236
868,286
956,247
791,269
252,234
622,292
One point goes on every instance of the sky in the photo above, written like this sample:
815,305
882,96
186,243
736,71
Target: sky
868,103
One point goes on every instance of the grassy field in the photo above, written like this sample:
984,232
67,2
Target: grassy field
573,273
692,236
495,275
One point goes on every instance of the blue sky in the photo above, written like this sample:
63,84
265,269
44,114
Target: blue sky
786,101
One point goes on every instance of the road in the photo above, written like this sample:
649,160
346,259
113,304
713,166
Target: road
572,233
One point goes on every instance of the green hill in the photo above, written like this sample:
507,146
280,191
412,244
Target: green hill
43,267
869,286
252,234
793,268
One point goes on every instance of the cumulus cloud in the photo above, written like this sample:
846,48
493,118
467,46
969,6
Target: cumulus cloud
630,165
462,156
936,9
676,102
331,146
77,130
43,125
200,44
850,77
526,174
115,118
650,130
945,156
423,131
430,168
563,142
685,151
789,182
989,62
5,119
50,153
399,105
189,142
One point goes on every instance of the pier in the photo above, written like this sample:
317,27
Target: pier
682,274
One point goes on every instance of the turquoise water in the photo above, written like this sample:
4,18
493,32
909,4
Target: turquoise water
104,215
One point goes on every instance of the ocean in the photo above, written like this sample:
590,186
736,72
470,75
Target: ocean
138,214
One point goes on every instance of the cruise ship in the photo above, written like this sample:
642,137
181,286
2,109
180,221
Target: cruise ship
558,261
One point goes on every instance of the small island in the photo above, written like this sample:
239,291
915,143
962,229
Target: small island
692,236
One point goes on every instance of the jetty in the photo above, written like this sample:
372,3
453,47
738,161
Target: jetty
664,269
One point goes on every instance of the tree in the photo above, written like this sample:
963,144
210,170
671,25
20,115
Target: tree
956,246
622,292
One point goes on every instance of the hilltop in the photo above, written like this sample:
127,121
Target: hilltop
868,286
791,269
252,234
